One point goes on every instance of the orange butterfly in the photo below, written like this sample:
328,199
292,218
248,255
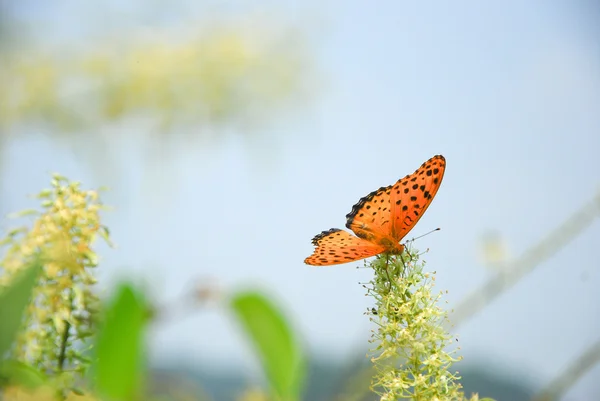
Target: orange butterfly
381,219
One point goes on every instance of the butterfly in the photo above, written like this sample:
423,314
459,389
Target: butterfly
381,219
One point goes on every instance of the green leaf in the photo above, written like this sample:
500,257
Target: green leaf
13,301
281,355
119,347
16,372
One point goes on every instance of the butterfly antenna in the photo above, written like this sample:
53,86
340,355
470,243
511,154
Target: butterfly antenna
421,236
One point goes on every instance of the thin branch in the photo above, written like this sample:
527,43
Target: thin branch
557,387
533,257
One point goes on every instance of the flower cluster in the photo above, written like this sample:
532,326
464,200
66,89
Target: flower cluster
410,357
62,313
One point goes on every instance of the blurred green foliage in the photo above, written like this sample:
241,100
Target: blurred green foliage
276,344
119,363
13,301
48,295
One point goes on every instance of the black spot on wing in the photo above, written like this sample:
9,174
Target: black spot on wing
361,203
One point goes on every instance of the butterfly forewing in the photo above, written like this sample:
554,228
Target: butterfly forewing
370,218
412,195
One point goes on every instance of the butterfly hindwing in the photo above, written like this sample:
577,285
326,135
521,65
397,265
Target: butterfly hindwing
336,246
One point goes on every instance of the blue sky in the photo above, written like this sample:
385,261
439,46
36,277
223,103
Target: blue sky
509,93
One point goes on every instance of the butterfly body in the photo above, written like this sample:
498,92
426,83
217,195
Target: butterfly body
381,219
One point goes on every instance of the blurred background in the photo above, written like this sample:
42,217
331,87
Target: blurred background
231,132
